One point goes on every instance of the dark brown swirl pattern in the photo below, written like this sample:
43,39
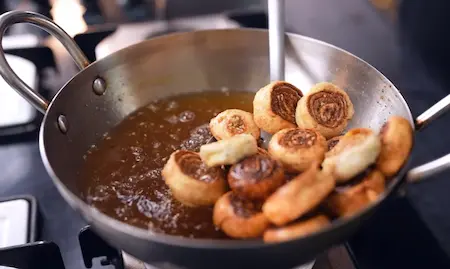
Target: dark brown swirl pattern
297,148
328,108
298,138
245,208
254,168
332,142
239,217
256,176
284,99
191,164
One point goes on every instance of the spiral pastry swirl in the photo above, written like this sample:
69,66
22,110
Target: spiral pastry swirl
243,207
256,177
284,99
239,217
298,138
325,108
297,148
191,181
233,122
191,165
274,106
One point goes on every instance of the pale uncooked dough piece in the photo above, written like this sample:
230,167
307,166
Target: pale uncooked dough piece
228,151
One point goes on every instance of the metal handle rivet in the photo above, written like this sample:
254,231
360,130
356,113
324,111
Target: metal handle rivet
99,86
63,124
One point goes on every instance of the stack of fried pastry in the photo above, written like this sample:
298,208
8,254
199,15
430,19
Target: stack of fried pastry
311,173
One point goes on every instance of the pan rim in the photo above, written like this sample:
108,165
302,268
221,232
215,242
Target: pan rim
91,214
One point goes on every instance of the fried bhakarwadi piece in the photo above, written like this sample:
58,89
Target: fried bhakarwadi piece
296,230
297,148
355,152
191,181
256,176
326,108
238,217
299,196
396,143
232,122
345,203
274,106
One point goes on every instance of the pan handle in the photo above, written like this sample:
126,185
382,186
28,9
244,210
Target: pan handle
439,165
9,18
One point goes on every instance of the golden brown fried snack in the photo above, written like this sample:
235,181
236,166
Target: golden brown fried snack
396,143
332,142
232,122
256,177
299,196
239,218
296,230
325,108
191,181
355,152
297,148
274,106
350,201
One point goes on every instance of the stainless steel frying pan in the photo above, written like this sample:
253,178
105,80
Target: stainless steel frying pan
105,92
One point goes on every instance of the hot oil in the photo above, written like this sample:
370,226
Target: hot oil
122,175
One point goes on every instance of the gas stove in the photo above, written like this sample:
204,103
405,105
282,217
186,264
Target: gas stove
371,248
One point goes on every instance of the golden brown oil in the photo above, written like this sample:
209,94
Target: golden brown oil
122,175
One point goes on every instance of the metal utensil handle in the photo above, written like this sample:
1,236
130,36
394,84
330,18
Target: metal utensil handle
438,165
276,39
9,18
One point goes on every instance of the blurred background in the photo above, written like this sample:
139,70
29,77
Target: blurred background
405,39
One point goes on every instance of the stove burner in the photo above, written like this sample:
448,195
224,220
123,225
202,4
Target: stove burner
92,246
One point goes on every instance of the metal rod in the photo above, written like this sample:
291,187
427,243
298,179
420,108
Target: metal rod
433,112
276,38
429,169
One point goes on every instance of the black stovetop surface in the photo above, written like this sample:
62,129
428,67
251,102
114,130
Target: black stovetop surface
408,232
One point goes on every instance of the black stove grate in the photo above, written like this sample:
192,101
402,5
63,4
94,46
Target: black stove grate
32,256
